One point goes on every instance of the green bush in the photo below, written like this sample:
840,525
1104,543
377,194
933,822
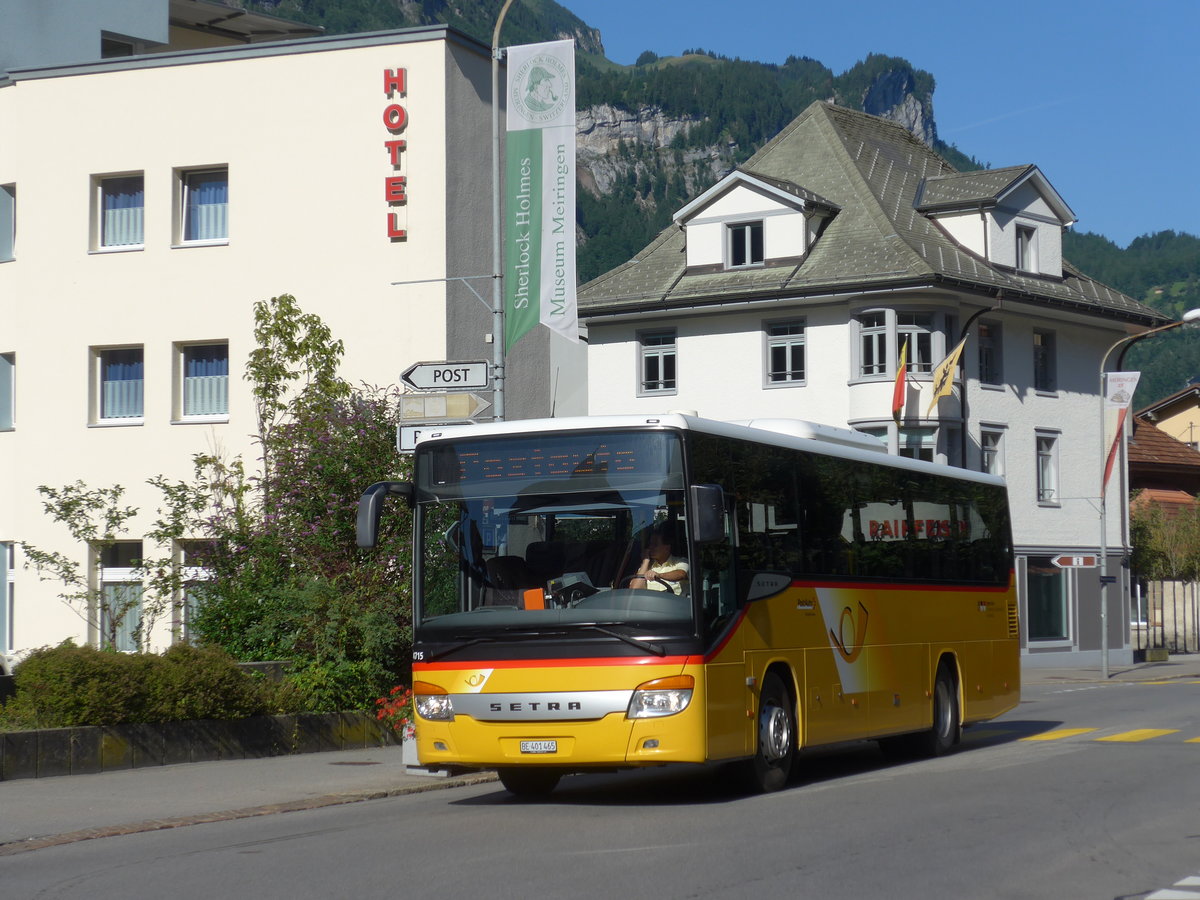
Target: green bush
338,686
67,686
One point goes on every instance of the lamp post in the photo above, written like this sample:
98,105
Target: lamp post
1192,315
498,374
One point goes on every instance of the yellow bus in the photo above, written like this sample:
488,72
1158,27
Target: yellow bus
829,593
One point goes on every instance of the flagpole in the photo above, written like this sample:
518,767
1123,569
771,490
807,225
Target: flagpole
498,362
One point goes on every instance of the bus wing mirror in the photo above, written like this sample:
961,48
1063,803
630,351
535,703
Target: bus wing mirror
370,505
708,513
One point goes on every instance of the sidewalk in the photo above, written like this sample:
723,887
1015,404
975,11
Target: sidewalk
41,812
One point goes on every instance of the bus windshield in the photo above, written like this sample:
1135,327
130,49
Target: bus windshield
534,534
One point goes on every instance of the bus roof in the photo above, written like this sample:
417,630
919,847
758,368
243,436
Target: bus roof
812,437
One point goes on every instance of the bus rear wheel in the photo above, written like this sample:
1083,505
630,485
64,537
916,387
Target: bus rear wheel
945,731
529,783
776,737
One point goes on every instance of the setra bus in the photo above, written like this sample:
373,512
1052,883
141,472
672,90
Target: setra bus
831,593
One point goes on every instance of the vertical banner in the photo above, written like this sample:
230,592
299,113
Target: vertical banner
539,192
898,391
1118,395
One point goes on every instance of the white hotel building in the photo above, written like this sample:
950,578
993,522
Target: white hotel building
148,200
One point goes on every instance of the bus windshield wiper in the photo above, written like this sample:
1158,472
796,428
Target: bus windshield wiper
453,648
656,649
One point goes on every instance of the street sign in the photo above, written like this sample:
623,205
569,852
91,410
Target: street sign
441,408
1076,562
440,376
408,435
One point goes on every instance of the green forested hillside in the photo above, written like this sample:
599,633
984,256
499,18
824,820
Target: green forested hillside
1163,271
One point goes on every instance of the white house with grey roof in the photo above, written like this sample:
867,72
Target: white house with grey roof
791,287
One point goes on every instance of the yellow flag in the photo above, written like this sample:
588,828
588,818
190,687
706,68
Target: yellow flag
943,375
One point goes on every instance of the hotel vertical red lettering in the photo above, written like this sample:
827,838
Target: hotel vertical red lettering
395,120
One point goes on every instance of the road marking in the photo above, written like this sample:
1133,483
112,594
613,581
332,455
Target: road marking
1058,735
1138,734
1173,892
1192,741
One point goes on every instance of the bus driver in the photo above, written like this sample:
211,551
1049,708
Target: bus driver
660,571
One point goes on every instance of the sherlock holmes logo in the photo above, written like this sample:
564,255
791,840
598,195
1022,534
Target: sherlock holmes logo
541,89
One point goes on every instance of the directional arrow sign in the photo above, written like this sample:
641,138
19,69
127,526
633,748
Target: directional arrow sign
438,408
446,375
1075,562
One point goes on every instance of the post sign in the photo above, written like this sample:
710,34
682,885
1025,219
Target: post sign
441,408
1076,562
446,375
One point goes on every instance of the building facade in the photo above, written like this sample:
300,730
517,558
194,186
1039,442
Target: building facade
796,285
147,202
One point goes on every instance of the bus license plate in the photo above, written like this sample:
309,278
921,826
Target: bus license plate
539,746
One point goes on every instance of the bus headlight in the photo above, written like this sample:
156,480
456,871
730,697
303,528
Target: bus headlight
432,702
661,697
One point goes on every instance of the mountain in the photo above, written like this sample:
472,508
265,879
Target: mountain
653,135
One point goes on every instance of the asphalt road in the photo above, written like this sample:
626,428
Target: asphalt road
1044,803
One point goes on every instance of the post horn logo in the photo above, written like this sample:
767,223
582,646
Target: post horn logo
851,633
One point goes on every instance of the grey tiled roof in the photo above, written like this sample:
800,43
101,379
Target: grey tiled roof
968,187
869,170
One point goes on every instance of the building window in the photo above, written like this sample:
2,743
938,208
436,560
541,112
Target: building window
991,367
991,450
8,391
658,362
745,244
918,443
121,596
1047,468
1046,590
205,380
195,575
1044,378
785,352
8,221
122,205
872,331
204,205
121,383
1026,248
916,330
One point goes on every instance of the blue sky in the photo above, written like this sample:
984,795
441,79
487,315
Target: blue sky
1103,96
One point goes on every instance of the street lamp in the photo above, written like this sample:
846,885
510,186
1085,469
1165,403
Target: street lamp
499,375
1192,315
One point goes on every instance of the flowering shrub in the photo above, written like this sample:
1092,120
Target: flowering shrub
396,709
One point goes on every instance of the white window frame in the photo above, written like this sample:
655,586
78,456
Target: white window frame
8,391
100,231
190,575
991,446
740,239
1025,241
944,439
1045,361
659,353
98,404
875,336
183,389
991,354
183,223
121,578
1047,470
788,336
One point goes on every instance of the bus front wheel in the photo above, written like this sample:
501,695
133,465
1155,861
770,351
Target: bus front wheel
529,783
776,738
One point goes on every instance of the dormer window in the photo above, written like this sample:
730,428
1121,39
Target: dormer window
745,245
1026,249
